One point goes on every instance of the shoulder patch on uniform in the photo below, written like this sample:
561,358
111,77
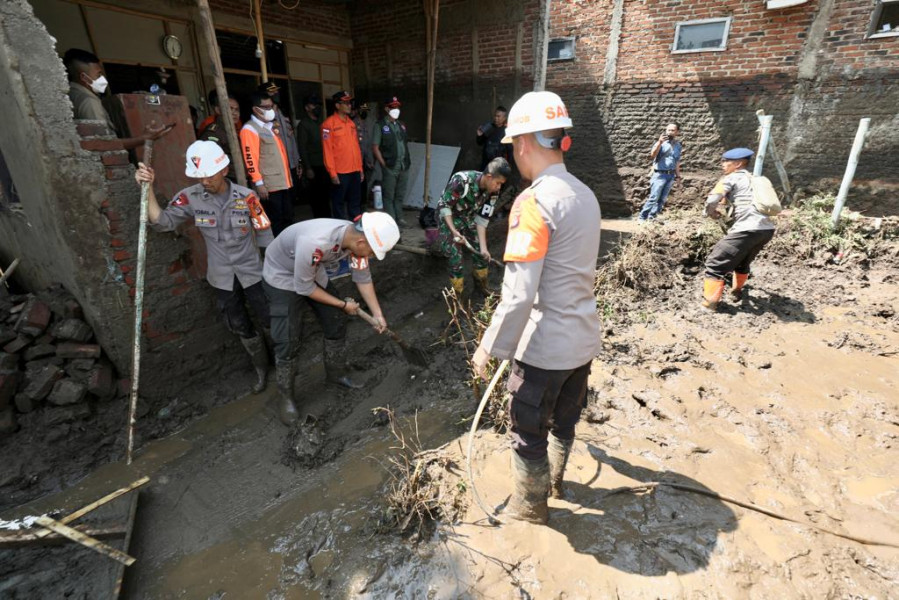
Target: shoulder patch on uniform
181,200
386,129
358,263
528,238
326,133
719,188
317,256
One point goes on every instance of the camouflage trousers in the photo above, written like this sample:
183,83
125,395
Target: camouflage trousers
456,253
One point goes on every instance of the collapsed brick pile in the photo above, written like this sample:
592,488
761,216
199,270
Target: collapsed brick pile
50,359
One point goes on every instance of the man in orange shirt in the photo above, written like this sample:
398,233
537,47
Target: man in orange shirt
266,161
343,159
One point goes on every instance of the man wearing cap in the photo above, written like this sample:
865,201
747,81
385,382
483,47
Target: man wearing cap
295,270
749,229
215,131
310,145
666,154
343,158
465,209
234,226
285,130
546,321
267,164
392,153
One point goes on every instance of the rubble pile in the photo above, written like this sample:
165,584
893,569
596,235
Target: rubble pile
50,361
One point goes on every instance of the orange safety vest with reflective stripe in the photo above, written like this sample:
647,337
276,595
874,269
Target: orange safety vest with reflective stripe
265,157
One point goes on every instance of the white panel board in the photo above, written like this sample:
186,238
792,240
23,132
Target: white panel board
443,159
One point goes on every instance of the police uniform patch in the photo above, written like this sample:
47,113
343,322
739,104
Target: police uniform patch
317,256
336,248
181,200
358,263
205,221
326,134
386,129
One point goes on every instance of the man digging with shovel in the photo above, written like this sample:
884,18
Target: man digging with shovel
295,270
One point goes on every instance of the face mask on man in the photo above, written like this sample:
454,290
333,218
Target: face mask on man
394,113
268,114
99,84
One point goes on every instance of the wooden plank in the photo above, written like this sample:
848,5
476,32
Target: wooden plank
129,527
30,537
85,540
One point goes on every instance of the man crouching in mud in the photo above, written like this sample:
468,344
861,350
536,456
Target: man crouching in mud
546,320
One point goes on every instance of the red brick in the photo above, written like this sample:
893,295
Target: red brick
76,350
120,255
102,145
117,243
114,158
91,128
34,318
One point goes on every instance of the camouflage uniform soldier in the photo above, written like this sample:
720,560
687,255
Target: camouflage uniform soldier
465,209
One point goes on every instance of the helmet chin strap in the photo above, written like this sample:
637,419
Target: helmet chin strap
562,143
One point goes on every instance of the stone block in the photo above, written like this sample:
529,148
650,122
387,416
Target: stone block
80,368
18,344
76,350
75,330
39,351
24,404
40,382
7,334
66,414
35,318
101,382
66,392
8,362
8,423
9,383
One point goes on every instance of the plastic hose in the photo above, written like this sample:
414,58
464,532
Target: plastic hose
474,427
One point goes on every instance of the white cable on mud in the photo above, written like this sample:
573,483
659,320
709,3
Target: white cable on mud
474,427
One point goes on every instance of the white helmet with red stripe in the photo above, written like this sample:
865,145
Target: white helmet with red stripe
205,159
536,111
381,232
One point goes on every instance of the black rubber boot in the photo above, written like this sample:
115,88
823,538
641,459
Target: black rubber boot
557,453
530,487
335,364
255,347
287,410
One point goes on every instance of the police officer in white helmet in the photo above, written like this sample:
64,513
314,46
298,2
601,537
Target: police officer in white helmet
546,321
234,227
295,273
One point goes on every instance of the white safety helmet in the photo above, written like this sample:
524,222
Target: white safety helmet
205,159
380,231
536,111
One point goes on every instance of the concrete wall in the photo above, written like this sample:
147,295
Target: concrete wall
810,66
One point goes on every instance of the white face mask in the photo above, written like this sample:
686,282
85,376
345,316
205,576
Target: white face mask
394,113
268,115
99,85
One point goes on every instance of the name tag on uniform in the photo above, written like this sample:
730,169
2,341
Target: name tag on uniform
204,221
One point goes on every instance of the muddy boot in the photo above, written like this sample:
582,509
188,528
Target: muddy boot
287,410
480,281
712,291
739,282
558,452
335,364
255,347
458,284
530,487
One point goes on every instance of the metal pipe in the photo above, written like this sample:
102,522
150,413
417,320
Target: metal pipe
138,301
857,146
765,122
778,164
542,48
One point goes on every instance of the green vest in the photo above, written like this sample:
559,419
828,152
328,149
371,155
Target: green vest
390,142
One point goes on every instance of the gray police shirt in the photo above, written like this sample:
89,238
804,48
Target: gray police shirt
295,261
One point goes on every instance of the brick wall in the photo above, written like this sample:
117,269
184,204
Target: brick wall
309,15
714,95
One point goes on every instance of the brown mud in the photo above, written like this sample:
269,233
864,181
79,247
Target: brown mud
788,401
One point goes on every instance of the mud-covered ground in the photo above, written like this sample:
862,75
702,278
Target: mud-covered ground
787,401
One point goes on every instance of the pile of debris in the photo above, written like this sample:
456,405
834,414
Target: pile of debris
49,359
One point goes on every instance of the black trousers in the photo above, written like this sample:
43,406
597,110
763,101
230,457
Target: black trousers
233,307
286,309
544,401
346,198
318,193
735,252
279,208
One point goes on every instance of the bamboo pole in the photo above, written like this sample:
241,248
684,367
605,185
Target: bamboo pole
212,49
260,37
97,504
432,12
778,164
85,540
765,122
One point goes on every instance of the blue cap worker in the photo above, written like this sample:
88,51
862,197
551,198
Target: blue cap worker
748,233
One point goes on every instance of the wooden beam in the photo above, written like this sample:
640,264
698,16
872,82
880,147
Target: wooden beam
85,540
